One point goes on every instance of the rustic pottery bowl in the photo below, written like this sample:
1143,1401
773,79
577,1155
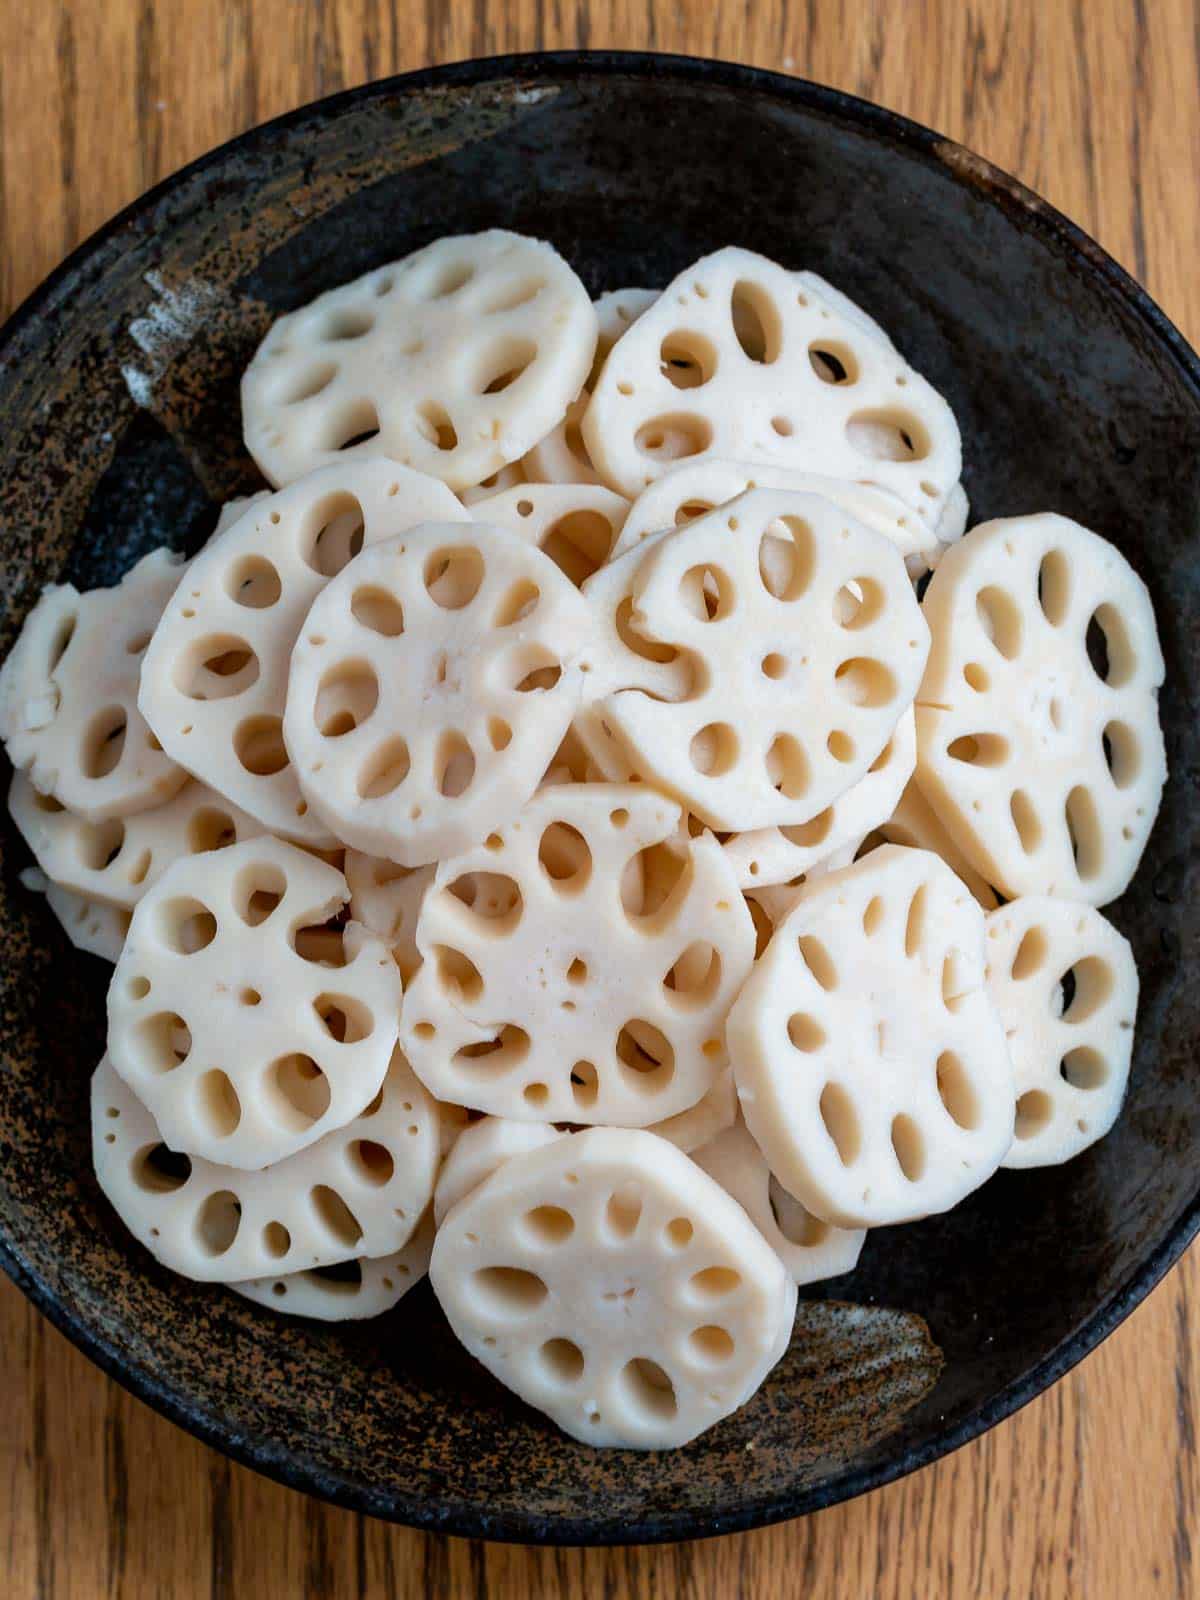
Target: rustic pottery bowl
119,430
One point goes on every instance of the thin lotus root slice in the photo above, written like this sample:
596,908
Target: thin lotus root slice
735,361
833,299
243,1048
359,1191
697,1126
507,478
914,823
809,643
119,860
776,900
68,695
779,855
809,1248
582,971
561,457
871,1065
1066,987
613,1285
232,512
575,524
348,1291
215,676
694,488
1038,739
478,1151
432,683
90,925
386,899
455,360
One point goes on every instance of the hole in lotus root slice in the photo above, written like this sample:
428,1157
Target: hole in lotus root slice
904,1116
729,337
650,1355
242,1048
454,384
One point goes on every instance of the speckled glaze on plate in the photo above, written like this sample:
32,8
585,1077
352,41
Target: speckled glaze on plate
119,430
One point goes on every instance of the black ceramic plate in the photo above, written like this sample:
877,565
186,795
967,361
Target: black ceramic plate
119,430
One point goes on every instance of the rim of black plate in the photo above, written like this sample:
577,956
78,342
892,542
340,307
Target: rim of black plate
277,1460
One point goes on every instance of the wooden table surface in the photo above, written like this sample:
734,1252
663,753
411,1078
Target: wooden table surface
1093,1489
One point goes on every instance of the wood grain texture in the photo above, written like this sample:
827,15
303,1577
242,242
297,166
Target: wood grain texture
1093,1489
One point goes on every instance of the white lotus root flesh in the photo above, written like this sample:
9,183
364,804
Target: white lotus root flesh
117,861
433,681
1038,737
871,1065
738,361
455,361
915,823
68,695
612,1284
561,457
348,1291
810,1249
90,925
215,677
245,1041
794,644
575,968
575,524
1066,987
359,1191
386,899
479,1149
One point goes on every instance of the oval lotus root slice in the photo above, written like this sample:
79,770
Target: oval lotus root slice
91,925
214,681
68,695
348,1291
386,899
358,1191
1038,738
575,967
915,823
694,488
432,683
809,1248
455,360
506,478
478,1151
735,361
871,1064
575,524
245,1043
613,1285
1066,987
810,646
778,855
117,861
561,457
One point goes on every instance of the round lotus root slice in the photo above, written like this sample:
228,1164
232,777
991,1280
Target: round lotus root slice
479,1150
432,683
455,360
612,1284
386,899
693,488
809,643
358,1191
871,1064
506,478
778,855
246,1044
117,861
348,1291
575,524
1038,739
69,689
575,967
215,676
561,457
809,1248
735,361
1066,987
90,925
914,823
